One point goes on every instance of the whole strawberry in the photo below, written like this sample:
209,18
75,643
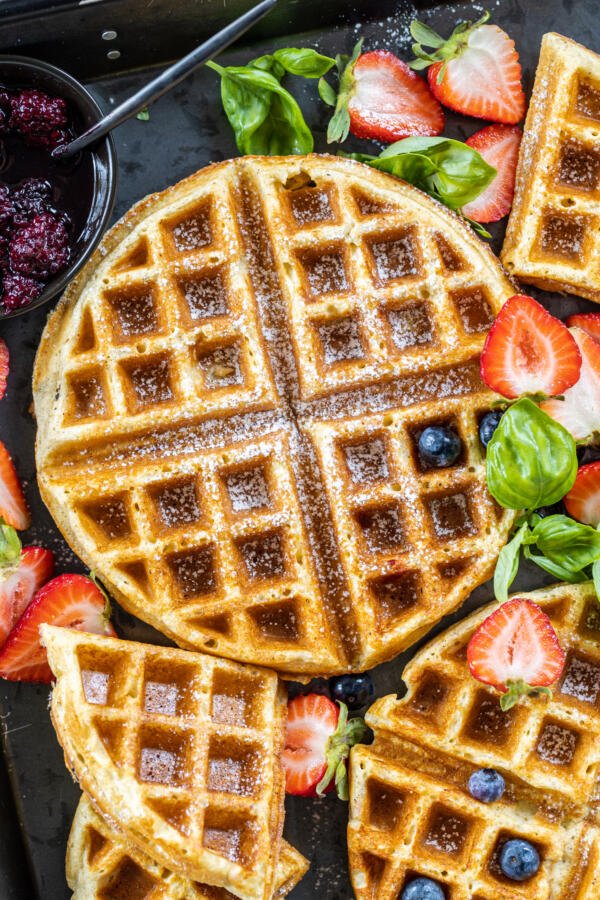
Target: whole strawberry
475,72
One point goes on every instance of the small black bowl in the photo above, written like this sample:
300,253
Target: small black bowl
99,164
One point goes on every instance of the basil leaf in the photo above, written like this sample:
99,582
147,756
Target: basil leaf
304,62
553,568
508,564
10,545
596,577
567,543
531,460
265,117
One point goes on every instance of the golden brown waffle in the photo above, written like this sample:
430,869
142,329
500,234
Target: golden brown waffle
410,811
552,237
229,400
101,865
180,751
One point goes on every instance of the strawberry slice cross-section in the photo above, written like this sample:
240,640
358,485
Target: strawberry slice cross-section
579,412
528,351
499,146
318,739
72,601
18,584
13,508
516,650
583,500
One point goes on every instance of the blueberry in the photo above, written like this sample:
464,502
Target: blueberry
519,860
353,690
486,785
488,425
557,509
439,446
423,889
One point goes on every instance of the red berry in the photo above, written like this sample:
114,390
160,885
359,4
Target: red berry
18,291
33,112
40,247
583,500
579,412
18,584
499,146
516,649
528,351
13,508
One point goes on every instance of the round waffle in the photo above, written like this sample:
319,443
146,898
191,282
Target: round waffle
229,399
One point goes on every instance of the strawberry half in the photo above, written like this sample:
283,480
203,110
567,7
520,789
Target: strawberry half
13,508
588,322
516,650
475,72
72,601
19,583
528,351
579,412
499,146
318,739
380,98
583,500
3,367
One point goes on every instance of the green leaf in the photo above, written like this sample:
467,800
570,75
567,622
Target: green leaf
348,733
10,545
531,459
269,64
423,34
265,118
339,124
596,577
304,62
508,564
517,689
144,115
567,543
327,93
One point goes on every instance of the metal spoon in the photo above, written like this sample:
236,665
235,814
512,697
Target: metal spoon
166,80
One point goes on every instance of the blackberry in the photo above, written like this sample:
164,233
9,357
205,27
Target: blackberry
33,113
39,248
32,197
5,112
17,290
49,140
7,209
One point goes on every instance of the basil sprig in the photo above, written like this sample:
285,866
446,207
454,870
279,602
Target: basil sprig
568,550
265,118
448,170
531,459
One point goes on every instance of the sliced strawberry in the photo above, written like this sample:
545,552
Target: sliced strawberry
516,650
499,146
318,739
579,412
3,367
528,351
13,508
588,322
388,101
72,601
18,584
475,72
583,500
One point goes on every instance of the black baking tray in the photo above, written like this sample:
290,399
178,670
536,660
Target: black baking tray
187,129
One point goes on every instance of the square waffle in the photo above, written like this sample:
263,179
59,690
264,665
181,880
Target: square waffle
178,751
552,236
229,400
411,813
101,864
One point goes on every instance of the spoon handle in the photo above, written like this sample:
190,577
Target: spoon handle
166,80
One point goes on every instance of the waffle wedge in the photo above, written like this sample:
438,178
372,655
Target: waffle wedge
102,865
229,400
178,751
410,811
552,237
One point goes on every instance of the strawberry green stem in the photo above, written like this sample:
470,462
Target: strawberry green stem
348,733
10,545
517,689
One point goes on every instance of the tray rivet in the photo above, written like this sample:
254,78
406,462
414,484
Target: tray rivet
113,54
109,35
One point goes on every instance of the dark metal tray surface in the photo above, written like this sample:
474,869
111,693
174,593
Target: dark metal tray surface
187,130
